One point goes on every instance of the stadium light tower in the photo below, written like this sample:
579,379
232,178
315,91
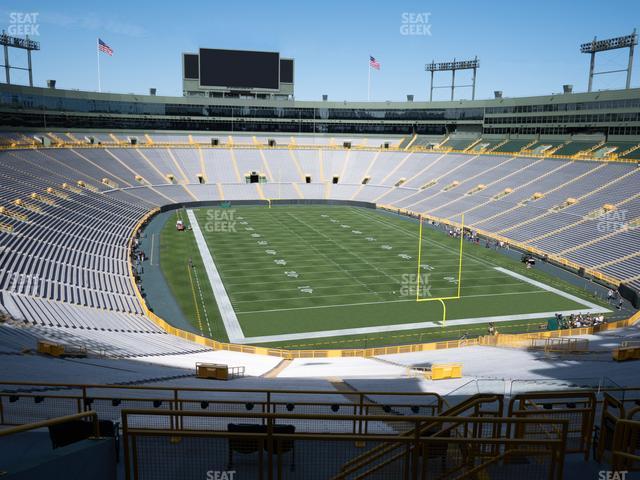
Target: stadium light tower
626,41
452,67
7,41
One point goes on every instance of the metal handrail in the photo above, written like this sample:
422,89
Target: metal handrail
217,390
472,402
555,446
584,405
54,421
92,397
625,451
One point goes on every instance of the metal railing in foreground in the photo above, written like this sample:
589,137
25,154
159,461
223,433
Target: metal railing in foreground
617,406
479,405
23,402
91,415
179,444
625,452
577,407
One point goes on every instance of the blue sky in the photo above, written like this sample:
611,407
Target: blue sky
525,48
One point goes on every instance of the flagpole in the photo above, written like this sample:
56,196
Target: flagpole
98,55
369,82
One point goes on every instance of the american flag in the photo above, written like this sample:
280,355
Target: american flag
374,63
103,47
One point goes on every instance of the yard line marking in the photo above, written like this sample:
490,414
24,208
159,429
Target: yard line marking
411,234
386,301
386,292
318,267
269,270
228,315
324,255
336,284
353,254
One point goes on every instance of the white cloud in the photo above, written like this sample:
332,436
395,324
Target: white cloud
94,22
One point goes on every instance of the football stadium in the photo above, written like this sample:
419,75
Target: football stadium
235,275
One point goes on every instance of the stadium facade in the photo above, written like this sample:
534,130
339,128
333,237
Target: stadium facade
613,114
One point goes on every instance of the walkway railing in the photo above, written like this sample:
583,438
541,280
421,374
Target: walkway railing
22,402
276,446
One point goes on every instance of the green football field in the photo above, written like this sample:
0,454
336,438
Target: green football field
344,277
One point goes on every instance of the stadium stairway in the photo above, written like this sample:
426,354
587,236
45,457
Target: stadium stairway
279,368
373,458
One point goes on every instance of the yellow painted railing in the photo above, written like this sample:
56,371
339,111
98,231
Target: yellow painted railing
90,414
363,454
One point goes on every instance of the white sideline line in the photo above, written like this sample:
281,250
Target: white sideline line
153,237
593,308
229,318
405,326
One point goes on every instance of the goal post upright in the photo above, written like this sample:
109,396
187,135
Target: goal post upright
458,294
444,312
419,258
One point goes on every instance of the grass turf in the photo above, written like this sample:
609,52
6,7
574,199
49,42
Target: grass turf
198,304
357,263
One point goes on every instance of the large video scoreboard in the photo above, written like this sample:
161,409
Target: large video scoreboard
222,71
